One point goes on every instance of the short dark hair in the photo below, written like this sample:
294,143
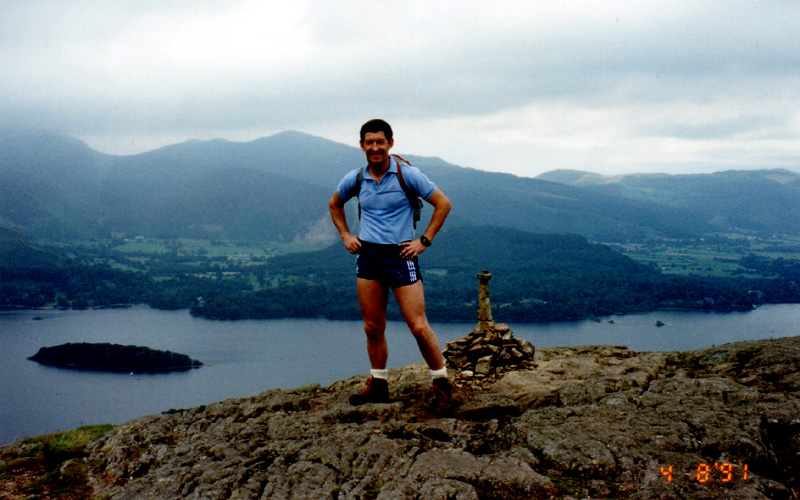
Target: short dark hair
376,125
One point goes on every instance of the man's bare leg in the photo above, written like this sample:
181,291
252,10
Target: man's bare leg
373,297
411,300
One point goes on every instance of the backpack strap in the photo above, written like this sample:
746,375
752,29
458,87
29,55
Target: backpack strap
359,180
413,198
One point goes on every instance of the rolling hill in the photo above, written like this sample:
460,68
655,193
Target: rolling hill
762,201
18,255
276,189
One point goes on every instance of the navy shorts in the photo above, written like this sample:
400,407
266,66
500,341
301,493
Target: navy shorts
383,263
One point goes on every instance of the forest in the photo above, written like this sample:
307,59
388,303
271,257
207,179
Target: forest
536,278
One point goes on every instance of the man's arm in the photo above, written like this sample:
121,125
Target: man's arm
441,208
336,207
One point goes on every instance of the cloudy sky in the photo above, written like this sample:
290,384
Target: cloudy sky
515,86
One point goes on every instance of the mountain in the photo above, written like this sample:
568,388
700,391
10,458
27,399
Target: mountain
276,189
764,201
516,202
48,183
227,203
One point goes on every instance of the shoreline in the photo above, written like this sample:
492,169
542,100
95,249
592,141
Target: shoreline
592,317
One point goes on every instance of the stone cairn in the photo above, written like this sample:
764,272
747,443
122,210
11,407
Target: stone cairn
490,349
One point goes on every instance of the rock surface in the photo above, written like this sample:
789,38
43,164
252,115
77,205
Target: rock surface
586,422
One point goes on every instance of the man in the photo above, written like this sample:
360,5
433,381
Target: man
387,258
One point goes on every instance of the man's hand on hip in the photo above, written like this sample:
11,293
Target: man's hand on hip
351,243
412,248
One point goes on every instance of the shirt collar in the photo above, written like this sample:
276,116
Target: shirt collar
392,166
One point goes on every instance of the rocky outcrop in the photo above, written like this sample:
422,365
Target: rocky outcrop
585,422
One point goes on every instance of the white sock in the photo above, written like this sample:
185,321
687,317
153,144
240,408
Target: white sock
439,373
383,374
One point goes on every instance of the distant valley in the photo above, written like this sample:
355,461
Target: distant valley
216,227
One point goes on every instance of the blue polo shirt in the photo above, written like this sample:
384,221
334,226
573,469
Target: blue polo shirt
386,215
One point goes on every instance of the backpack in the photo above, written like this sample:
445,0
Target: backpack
413,199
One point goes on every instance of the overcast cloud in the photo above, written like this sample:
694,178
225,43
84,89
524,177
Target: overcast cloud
522,87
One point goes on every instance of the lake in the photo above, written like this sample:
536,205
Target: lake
244,358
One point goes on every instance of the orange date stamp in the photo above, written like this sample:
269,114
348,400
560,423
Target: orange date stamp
724,472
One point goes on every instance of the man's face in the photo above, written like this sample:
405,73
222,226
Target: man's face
377,148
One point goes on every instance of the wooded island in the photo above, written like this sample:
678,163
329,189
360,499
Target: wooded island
113,357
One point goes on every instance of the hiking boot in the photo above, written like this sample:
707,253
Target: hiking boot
377,391
442,397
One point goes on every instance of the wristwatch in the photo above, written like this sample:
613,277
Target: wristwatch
424,240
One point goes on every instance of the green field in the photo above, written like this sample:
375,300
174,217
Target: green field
716,257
